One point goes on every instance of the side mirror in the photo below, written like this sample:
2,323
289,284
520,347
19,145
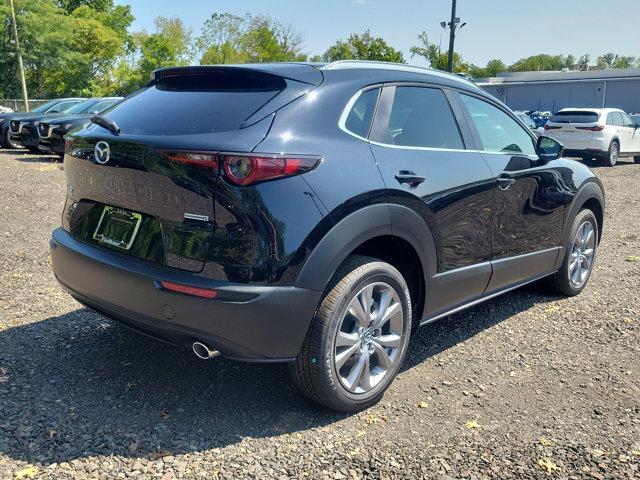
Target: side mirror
549,149
636,126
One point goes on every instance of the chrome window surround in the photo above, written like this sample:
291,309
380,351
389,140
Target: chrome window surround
347,109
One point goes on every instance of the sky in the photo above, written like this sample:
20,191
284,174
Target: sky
505,29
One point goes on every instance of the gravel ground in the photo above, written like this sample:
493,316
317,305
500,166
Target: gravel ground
525,386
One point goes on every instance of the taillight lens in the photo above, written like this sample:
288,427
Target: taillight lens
207,161
246,169
596,128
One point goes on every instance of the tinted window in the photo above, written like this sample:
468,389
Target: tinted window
497,130
102,106
614,118
44,107
421,117
570,116
626,121
82,107
635,118
64,107
359,119
192,104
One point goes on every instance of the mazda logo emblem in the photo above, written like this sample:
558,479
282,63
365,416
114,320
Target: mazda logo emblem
102,152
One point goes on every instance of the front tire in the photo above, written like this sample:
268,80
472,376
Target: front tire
8,143
612,156
358,338
579,258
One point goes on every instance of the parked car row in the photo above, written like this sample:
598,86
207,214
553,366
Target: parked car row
43,129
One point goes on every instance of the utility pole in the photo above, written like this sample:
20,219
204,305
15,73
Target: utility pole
20,65
452,35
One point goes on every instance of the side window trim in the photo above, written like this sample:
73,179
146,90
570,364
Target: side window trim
383,114
342,121
476,135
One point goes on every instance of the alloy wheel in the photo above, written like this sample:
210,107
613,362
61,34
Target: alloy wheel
582,254
369,338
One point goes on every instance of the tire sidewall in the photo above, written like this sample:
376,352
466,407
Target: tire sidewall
610,161
577,222
382,273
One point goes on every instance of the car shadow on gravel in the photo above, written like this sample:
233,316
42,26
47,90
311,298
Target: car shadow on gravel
78,385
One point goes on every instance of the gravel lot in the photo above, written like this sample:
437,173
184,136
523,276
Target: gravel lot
525,386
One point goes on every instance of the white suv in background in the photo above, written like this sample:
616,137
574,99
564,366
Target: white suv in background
603,133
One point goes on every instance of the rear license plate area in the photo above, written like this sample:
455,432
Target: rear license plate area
117,227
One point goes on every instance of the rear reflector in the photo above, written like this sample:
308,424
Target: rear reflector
187,290
245,169
597,128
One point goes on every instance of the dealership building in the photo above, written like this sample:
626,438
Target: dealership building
555,90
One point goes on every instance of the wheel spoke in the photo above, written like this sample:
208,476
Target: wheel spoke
366,298
389,312
357,371
389,341
342,357
588,252
345,339
384,360
576,274
355,309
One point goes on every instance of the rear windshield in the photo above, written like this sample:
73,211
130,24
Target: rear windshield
198,103
575,117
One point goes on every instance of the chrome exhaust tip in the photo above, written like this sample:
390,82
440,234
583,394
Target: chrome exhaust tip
203,352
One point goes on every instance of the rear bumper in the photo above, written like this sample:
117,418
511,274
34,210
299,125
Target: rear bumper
254,323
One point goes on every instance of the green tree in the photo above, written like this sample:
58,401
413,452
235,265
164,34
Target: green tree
583,62
493,67
363,47
606,60
437,58
65,51
227,38
569,61
539,62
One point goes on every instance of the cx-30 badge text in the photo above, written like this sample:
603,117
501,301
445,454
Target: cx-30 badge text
102,152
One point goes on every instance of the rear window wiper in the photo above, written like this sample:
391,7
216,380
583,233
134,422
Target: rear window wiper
104,122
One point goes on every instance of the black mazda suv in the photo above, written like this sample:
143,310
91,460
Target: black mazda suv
315,214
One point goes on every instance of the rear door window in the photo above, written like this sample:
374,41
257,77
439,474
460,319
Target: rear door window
194,104
422,117
626,120
359,118
577,116
614,118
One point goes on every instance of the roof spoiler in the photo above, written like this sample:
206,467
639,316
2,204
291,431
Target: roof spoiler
299,72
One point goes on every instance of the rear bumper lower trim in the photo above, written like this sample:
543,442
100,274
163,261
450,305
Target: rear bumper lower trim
247,322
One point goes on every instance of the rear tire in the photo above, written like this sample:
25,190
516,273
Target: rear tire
612,156
351,356
636,159
580,256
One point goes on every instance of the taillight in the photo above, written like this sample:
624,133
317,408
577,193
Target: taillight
244,169
207,161
247,169
596,128
551,127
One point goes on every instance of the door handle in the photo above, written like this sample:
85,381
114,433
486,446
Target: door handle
505,181
410,178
